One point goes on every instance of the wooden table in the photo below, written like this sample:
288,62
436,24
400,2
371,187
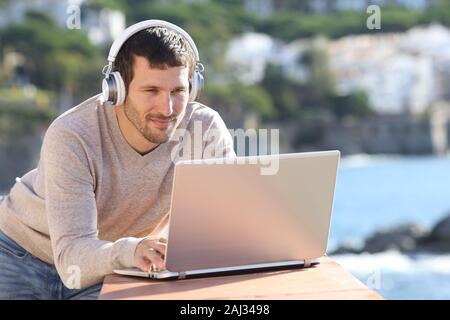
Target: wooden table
328,280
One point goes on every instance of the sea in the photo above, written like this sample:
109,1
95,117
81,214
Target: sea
382,192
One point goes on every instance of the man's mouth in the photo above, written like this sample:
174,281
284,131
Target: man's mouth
162,123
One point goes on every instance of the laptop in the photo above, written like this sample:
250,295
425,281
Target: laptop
247,214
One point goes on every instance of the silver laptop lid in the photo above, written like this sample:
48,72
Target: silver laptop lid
227,214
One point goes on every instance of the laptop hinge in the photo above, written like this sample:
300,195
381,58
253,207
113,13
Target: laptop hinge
307,263
181,275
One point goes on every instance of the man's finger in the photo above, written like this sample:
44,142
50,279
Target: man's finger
159,248
155,258
144,265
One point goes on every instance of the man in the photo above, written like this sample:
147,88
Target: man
104,177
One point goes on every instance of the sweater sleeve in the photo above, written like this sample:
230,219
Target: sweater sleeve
81,259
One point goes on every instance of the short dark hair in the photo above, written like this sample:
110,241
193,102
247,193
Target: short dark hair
161,47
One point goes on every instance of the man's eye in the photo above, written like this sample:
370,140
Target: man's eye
151,90
181,90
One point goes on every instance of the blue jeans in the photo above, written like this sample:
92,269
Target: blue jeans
25,277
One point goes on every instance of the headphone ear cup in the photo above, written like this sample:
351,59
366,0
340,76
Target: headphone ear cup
196,86
113,89
120,87
107,93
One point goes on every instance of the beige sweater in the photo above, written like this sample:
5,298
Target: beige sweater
92,197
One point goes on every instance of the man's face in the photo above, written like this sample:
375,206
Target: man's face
156,99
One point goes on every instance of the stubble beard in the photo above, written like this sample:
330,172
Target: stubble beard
153,135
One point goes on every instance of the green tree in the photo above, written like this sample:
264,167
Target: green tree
55,57
237,99
206,22
354,104
284,92
437,13
321,83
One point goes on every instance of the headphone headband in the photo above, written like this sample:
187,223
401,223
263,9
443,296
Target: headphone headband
135,28
113,87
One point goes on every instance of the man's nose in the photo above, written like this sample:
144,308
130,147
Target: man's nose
165,106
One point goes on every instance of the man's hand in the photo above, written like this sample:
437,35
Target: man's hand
149,254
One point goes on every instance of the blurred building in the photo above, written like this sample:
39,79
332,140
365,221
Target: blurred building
103,26
248,55
402,73
406,76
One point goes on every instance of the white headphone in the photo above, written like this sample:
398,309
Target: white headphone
113,87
